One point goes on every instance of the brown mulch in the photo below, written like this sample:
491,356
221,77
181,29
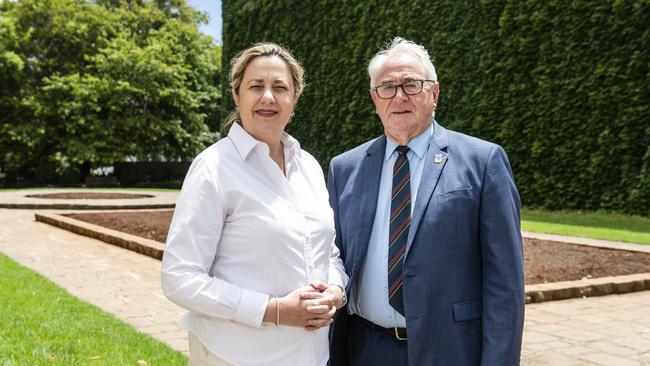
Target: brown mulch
546,261
90,195
147,224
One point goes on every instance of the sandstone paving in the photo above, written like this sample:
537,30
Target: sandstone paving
606,359
607,330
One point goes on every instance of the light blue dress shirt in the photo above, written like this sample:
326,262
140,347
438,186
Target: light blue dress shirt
369,293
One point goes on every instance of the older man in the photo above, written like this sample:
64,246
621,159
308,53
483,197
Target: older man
427,221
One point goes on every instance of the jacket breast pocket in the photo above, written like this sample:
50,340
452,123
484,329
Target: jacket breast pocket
468,310
455,194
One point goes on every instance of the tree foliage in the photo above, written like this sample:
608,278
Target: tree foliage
93,83
563,86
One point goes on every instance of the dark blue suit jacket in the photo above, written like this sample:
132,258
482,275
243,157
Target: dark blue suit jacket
464,273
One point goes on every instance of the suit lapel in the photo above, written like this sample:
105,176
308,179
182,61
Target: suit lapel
367,189
434,163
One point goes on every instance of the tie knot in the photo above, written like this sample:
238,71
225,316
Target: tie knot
402,149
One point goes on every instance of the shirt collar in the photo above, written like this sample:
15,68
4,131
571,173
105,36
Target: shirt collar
291,146
419,144
245,143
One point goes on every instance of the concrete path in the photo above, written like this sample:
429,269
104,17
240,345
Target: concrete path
610,330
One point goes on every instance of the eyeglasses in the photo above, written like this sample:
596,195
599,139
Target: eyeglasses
411,87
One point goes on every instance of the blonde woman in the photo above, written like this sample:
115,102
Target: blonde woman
250,251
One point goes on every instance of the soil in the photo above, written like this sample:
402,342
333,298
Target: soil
546,261
147,224
90,195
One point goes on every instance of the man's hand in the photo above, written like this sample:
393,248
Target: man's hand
337,292
334,290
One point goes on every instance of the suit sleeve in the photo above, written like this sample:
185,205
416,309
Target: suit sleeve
333,198
503,264
338,330
337,275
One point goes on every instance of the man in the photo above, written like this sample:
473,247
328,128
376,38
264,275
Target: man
427,221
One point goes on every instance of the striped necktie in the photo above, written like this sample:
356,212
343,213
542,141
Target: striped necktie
400,221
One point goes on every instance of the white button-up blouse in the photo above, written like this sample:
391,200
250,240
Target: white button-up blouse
243,232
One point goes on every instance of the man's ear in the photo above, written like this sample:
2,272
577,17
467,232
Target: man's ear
436,92
374,98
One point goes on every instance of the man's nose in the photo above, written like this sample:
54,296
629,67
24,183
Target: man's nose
400,94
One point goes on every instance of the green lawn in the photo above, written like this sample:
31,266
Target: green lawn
595,225
41,324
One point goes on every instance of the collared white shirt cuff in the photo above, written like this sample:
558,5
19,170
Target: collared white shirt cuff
335,278
251,309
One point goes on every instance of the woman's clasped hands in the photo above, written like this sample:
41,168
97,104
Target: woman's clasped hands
311,307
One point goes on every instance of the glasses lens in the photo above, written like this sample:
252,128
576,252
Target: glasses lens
386,91
412,87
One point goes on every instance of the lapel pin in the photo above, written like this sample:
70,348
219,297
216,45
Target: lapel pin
437,158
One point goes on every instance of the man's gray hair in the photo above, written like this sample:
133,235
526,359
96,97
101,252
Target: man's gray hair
397,46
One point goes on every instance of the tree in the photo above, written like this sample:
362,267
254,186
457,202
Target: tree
95,83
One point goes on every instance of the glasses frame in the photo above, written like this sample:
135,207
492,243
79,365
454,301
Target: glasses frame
376,88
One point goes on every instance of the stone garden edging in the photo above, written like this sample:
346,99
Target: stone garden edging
587,288
21,199
80,206
137,244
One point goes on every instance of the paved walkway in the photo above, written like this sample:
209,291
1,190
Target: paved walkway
610,330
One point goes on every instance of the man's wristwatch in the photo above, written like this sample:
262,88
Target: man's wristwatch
344,300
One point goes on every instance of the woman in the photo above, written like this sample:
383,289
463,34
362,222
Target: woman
250,251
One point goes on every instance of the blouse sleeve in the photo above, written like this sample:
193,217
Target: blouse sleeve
191,248
337,275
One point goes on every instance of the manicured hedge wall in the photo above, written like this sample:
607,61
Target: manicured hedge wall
562,85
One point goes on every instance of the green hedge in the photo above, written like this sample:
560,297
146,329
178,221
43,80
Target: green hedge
562,85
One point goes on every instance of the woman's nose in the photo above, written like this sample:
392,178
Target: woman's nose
268,95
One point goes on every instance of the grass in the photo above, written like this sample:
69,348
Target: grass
41,324
595,225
